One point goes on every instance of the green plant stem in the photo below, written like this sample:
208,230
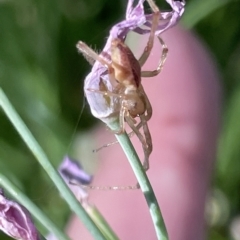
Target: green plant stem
46,164
143,181
101,222
27,203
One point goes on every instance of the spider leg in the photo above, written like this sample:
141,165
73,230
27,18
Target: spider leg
131,134
148,48
105,93
92,56
146,148
148,139
123,112
105,146
148,104
103,188
160,64
90,53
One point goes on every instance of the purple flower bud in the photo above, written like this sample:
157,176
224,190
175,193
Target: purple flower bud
15,220
71,170
107,108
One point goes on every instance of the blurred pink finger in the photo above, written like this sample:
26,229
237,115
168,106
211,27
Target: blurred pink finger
185,98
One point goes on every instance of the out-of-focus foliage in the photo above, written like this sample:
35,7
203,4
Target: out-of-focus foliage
42,74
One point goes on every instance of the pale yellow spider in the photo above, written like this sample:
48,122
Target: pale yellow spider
125,74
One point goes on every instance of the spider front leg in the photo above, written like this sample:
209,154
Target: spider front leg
160,64
92,56
155,20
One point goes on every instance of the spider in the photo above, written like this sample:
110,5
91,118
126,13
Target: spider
125,74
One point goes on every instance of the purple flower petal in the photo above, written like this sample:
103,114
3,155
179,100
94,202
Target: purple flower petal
107,108
71,170
15,220
170,18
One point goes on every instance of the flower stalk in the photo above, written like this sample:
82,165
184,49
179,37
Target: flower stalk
37,151
78,181
143,181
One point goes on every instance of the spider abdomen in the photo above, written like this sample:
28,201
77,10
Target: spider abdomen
126,66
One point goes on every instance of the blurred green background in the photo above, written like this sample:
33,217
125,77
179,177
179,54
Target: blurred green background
42,74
